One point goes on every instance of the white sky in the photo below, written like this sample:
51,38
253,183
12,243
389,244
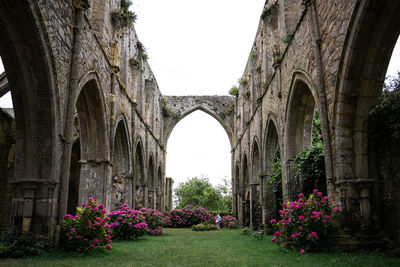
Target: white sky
199,48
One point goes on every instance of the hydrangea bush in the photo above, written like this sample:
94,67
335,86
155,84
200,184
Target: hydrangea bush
305,224
127,223
229,222
188,216
155,220
88,230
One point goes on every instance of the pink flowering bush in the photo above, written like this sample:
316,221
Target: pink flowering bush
155,220
127,223
88,230
188,216
304,224
229,222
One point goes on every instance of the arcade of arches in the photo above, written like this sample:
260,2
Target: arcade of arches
90,119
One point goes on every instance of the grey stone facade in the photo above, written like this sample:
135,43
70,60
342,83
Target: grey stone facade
90,116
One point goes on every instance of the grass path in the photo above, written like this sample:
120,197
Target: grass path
183,247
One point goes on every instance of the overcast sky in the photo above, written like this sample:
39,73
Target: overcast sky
199,48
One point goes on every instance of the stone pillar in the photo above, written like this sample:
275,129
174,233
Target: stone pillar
152,199
290,185
253,205
145,199
240,209
263,199
129,190
168,193
234,205
134,192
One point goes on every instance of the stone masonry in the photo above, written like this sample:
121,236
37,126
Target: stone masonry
90,119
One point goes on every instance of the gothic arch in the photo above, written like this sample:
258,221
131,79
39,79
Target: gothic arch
298,131
159,187
256,162
271,199
255,185
220,108
29,65
206,110
372,35
271,142
245,192
121,181
94,142
139,177
151,180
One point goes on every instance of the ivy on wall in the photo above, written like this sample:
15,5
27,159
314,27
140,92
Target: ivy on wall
384,118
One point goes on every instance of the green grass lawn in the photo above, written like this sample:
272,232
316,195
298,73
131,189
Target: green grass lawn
183,247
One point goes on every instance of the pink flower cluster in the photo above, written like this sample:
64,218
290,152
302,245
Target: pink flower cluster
188,216
229,222
128,223
88,229
155,220
305,222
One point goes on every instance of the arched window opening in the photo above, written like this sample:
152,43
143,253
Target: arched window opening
93,141
74,178
151,184
206,154
141,192
121,183
246,193
303,166
255,188
159,189
273,174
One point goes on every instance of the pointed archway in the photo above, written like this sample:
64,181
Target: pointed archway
94,144
140,182
121,184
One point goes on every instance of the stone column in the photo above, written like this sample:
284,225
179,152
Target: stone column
234,205
263,199
253,204
240,209
168,193
145,200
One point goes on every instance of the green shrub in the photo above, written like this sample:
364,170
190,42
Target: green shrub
259,235
310,167
16,244
204,227
274,180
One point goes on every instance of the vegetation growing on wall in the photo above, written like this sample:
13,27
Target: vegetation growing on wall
274,180
243,81
384,118
234,91
124,17
310,164
268,10
288,37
